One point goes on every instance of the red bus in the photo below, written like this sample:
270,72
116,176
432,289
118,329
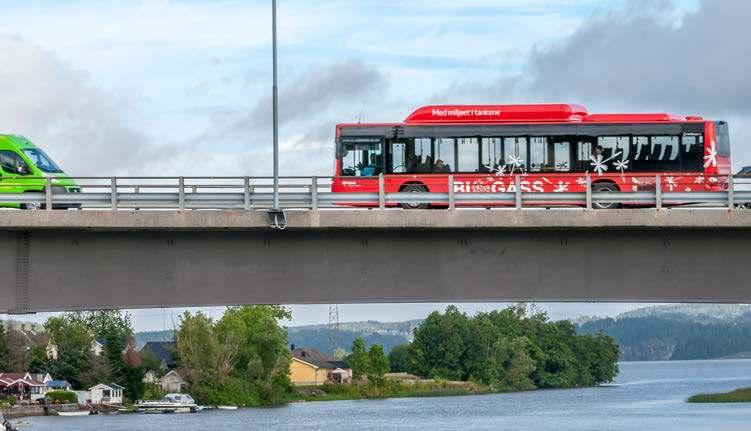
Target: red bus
551,147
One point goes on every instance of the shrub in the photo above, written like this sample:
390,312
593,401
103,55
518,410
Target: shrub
61,397
7,401
152,391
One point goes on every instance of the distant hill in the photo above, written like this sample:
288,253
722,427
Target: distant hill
673,332
699,313
389,334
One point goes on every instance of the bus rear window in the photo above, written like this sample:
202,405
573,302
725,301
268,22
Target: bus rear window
723,138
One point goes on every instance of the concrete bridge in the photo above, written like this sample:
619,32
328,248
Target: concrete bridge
69,260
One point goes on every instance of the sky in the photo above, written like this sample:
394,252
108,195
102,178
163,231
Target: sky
184,87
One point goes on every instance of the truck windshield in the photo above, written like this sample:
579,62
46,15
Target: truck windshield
42,161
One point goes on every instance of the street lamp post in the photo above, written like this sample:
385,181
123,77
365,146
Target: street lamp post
276,215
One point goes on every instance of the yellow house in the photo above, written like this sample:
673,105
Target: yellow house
309,367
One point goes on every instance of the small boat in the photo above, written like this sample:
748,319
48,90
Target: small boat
75,413
226,407
170,403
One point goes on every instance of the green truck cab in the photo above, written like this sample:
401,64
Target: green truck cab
24,168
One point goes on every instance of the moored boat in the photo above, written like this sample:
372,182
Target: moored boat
170,403
75,413
226,407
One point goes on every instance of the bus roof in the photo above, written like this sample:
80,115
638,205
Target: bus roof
527,113
558,112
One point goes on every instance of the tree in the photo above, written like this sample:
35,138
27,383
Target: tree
515,348
255,345
98,371
515,364
441,344
4,352
399,358
18,354
378,363
106,322
197,347
358,359
73,338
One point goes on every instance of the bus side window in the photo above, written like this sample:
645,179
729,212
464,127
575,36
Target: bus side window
584,154
468,150
615,147
539,156
561,156
398,158
419,155
492,155
444,155
641,147
692,152
665,151
516,154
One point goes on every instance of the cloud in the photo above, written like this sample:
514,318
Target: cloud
77,124
642,57
350,82
639,56
310,105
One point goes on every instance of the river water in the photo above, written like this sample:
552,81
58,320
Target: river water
646,396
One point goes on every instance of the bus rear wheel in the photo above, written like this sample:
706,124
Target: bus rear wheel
607,187
414,188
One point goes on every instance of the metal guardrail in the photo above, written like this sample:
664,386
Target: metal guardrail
251,193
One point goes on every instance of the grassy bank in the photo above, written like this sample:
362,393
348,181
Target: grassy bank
742,395
334,392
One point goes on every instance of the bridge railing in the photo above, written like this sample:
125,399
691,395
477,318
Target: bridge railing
298,192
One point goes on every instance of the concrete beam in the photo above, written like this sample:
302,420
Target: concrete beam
392,219
49,269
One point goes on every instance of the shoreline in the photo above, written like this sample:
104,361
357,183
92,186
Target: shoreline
740,395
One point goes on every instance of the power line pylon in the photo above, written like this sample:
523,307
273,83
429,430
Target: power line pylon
333,328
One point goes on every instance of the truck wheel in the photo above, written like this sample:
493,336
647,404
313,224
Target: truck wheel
414,188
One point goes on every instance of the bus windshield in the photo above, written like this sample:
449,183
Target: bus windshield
42,161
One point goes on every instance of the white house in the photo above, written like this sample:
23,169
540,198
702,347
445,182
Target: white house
172,382
106,394
97,347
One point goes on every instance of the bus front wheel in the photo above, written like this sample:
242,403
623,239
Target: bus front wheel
414,188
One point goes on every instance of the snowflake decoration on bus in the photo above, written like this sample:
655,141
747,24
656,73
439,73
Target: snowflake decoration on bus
561,187
599,165
582,181
699,179
636,183
499,170
562,166
515,162
671,182
621,165
710,159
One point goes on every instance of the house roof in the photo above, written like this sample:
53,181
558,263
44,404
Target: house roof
58,384
172,373
163,350
13,376
319,359
113,386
